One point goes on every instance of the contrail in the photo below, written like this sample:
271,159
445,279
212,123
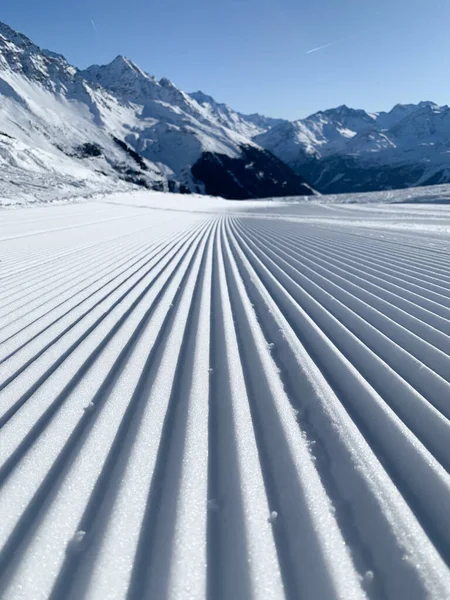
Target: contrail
94,26
322,47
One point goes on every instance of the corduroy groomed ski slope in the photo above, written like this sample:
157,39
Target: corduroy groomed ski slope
225,400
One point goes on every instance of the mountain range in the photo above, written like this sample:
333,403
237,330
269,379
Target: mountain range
344,150
114,126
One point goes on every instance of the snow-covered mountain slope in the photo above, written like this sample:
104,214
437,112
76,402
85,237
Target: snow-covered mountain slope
345,150
56,128
316,136
116,123
183,134
216,402
247,125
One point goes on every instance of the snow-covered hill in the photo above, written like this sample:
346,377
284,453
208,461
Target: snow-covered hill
345,150
115,124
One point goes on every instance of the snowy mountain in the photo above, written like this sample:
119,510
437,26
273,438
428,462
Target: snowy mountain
57,130
247,125
113,125
345,150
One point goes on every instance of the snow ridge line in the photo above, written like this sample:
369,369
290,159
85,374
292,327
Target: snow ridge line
224,406
46,257
309,409
17,536
160,256
146,259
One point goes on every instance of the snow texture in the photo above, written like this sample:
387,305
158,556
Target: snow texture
224,399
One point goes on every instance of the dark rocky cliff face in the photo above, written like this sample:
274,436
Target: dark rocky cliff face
256,174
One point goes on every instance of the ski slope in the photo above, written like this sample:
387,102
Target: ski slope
224,400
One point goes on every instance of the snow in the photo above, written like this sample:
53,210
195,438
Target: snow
210,398
410,138
247,125
201,397
319,135
50,109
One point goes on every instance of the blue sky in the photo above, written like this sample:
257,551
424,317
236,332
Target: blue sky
252,54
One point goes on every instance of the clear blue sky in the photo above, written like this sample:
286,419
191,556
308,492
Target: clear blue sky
252,54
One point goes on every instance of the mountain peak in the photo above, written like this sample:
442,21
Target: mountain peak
124,65
21,55
167,83
428,104
203,98
13,36
13,42
123,76
345,111
120,59
413,107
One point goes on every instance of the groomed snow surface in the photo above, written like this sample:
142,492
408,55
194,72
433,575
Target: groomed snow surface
224,400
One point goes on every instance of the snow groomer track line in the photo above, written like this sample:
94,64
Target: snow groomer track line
224,401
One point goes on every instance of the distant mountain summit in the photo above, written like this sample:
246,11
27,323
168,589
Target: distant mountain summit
115,124
344,150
